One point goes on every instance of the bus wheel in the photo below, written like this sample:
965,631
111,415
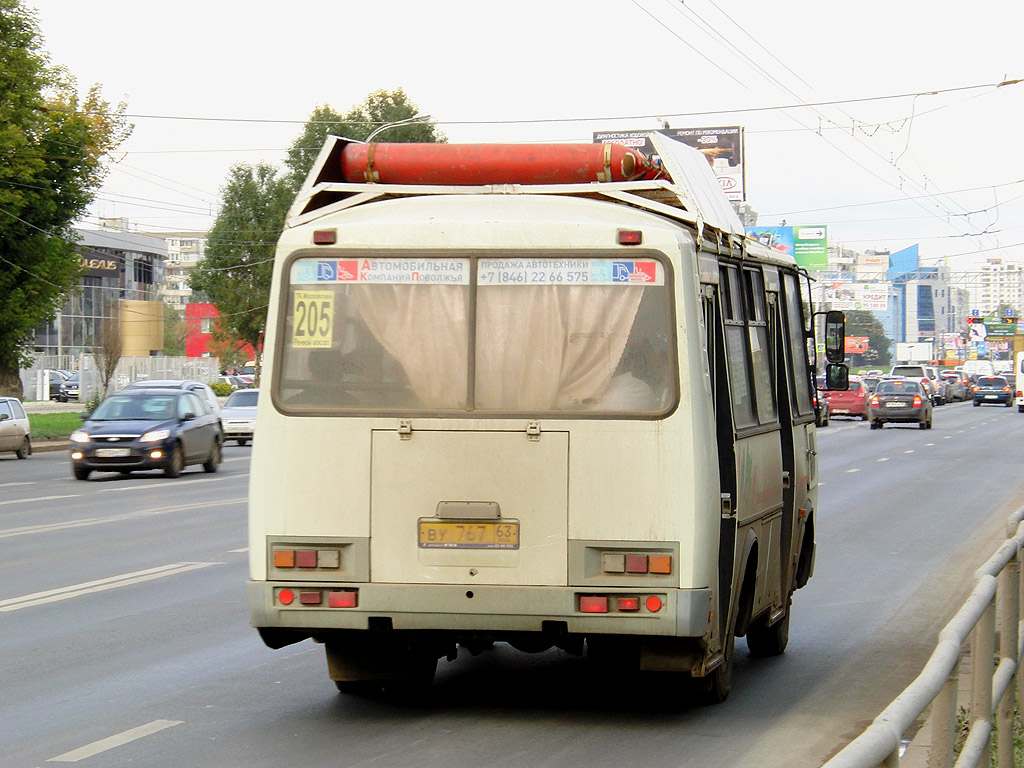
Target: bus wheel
764,640
715,687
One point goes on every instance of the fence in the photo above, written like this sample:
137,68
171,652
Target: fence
129,369
995,601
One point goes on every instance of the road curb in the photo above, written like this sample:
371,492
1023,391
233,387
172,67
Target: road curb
49,446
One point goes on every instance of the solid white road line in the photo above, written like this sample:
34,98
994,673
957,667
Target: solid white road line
118,740
99,585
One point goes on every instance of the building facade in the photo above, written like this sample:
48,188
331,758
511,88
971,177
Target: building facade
118,267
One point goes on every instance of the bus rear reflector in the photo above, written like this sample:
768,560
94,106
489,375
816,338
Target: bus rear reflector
630,237
636,563
593,604
660,563
653,603
284,558
286,597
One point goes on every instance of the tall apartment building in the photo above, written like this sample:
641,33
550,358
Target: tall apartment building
998,282
184,251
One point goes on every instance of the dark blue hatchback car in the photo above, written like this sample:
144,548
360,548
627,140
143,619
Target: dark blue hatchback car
141,429
992,389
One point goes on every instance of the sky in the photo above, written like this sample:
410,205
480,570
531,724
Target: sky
883,120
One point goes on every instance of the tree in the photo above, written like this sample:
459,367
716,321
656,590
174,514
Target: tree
862,323
235,273
175,332
381,108
52,144
111,347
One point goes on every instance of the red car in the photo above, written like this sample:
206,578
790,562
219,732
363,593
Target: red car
851,402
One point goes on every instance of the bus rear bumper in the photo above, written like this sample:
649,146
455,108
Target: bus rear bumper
293,610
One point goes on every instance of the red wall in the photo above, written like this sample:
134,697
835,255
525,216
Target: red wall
197,343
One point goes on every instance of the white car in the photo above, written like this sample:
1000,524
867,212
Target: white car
14,429
239,415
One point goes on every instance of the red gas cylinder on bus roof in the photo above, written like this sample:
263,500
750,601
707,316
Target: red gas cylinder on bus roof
476,164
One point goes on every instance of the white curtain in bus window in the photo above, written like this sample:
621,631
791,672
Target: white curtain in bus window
764,389
739,376
393,332
551,335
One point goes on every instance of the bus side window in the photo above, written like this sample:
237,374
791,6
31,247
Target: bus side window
737,350
796,337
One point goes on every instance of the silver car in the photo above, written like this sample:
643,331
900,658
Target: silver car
14,428
239,415
203,390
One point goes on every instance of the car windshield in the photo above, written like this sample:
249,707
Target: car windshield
897,388
156,407
242,399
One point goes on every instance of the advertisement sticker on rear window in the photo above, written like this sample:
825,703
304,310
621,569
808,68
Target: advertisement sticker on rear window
381,271
570,272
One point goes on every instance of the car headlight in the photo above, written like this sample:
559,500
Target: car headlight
81,436
156,434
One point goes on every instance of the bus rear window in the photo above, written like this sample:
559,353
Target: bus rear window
484,334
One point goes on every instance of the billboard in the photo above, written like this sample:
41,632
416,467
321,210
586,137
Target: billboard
807,244
871,297
871,267
723,147
857,345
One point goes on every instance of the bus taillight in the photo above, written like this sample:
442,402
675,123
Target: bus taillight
593,604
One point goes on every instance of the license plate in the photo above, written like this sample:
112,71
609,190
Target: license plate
895,405
469,534
840,410
110,453
991,397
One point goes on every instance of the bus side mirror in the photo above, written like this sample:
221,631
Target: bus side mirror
837,376
835,336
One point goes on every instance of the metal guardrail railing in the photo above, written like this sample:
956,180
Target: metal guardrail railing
995,601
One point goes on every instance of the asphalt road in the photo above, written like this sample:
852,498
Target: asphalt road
124,638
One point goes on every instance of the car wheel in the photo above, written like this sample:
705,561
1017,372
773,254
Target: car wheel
25,450
976,403
243,441
1008,403
213,461
1020,409
176,463
81,473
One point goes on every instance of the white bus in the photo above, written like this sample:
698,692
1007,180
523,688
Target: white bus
568,414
